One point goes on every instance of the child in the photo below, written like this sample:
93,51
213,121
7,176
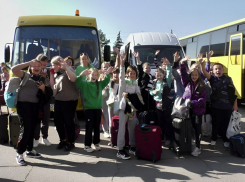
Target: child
66,96
44,106
85,64
194,90
27,107
4,77
145,82
223,100
105,96
128,88
92,92
160,92
114,87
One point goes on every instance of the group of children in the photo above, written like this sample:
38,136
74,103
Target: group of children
130,91
195,83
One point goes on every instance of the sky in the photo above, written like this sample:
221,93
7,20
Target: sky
184,17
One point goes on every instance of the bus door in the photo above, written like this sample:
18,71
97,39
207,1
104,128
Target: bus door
235,62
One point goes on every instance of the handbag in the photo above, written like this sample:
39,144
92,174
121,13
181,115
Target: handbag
234,126
116,108
181,108
110,102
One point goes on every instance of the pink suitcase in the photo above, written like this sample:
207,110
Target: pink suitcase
114,132
148,142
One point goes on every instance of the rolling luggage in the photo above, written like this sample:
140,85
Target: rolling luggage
13,128
148,117
237,147
148,142
3,126
114,131
182,135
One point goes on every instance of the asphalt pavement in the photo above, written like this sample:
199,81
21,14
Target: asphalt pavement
213,164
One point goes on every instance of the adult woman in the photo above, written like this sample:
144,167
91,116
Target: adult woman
69,61
27,107
66,95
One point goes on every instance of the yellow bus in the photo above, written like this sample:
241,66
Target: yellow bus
55,35
227,43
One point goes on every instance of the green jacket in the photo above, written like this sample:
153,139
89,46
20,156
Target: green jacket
89,91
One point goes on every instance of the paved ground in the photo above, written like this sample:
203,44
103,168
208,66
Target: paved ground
77,165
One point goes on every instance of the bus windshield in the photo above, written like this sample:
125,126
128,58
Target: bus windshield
147,53
55,40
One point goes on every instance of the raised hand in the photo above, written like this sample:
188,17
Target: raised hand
184,60
63,64
136,54
208,55
157,52
116,50
200,58
101,71
109,70
123,58
85,72
31,63
165,61
176,56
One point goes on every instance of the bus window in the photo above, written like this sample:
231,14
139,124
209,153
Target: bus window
191,50
147,53
54,41
241,27
232,29
203,44
218,42
235,46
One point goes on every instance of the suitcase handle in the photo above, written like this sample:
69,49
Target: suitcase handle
145,129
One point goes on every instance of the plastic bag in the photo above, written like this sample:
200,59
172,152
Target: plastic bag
206,125
234,126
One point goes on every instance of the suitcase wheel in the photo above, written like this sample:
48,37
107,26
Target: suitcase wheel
153,154
137,154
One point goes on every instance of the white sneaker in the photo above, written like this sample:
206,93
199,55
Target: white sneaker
88,149
226,144
35,143
46,142
97,147
20,159
196,152
213,143
106,135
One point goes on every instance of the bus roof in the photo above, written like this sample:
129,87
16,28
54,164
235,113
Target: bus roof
215,28
57,20
154,38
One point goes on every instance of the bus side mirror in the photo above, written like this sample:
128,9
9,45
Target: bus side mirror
107,53
7,54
